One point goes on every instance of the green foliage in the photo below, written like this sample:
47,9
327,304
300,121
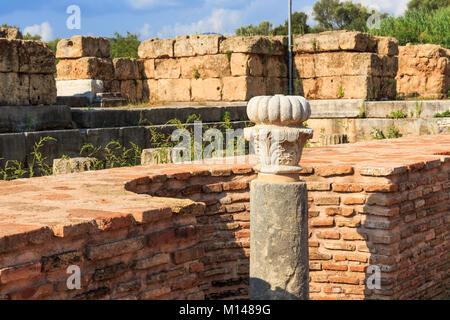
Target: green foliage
35,37
340,92
362,111
377,134
419,108
124,46
196,74
427,4
53,44
263,29
398,114
226,121
393,133
299,25
418,26
229,53
444,114
113,155
38,164
337,15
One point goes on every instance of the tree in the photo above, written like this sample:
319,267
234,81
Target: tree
264,29
35,37
336,15
299,25
125,46
53,44
427,4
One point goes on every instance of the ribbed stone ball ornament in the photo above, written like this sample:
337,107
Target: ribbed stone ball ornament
279,135
278,109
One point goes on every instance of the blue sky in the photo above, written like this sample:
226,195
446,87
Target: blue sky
157,18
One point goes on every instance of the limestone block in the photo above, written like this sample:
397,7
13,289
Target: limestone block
275,85
85,68
206,89
243,64
132,90
83,46
389,66
243,88
10,33
9,55
126,69
431,87
304,66
149,69
73,165
196,45
167,69
14,89
80,88
156,156
387,46
174,90
36,57
110,85
332,41
156,48
42,89
347,64
255,44
150,89
275,66
205,67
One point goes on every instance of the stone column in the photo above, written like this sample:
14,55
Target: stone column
279,258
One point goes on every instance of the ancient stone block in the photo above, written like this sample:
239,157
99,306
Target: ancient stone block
36,57
150,89
275,85
243,64
42,89
9,55
66,166
332,41
14,89
206,89
174,90
156,48
132,90
204,67
387,46
196,45
10,33
255,44
83,46
304,66
85,68
149,69
275,66
242,88
167,69
126,69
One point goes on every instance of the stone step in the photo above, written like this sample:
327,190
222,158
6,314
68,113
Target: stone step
108,95
110,102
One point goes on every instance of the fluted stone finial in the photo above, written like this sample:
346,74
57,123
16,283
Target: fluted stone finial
279,135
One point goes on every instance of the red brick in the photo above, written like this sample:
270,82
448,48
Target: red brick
188,255
354,200
381,188
334,267
329,171
343,279
358,268
348,187
328,222
339,246
114,249
353,236
319,186
329,235
221,172
23,271
235,185
327,201
213,188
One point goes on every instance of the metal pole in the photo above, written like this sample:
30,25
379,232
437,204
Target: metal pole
290,49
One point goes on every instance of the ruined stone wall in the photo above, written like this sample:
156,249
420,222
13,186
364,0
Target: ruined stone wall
424,71
343,64
83,57
214,68
26,73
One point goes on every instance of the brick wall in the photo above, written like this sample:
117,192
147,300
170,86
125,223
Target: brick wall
26,73
171,232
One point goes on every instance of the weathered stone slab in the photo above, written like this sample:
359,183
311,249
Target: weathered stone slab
387,46
79,88
156,48
206,89
255,44
149,68
167,69
72,165
36,57
174,90
14,89
42,89
9,55
132,90
83,46
196,45
126,69
243,88
85,68
332,41
10,33
205,67
243,64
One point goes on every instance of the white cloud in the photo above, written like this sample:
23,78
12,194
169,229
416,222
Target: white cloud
397,7
145,4
44,30
221,21
144,32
